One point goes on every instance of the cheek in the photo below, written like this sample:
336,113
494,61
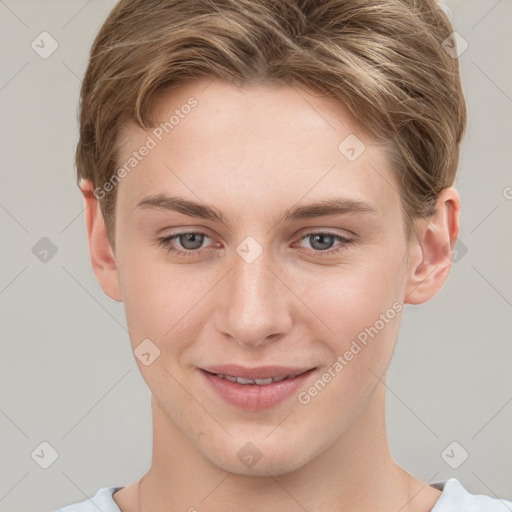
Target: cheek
160,300
363,308
347,299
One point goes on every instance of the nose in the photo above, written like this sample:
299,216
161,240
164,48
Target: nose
253,306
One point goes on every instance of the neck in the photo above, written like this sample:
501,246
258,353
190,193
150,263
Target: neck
355,473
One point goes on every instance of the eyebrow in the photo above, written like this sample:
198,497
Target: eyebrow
328,207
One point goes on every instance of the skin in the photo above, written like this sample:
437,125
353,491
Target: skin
252,153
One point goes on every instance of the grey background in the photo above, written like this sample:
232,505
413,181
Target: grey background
68,376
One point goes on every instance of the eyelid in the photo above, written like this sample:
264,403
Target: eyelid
166,241
343,242
345,233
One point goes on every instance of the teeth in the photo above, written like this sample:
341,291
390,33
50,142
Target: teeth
262,382
259,382
241,380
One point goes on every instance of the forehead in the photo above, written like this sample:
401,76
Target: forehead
252,146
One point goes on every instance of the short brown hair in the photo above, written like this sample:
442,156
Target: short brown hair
383,59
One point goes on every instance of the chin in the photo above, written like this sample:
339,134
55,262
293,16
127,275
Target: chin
260,458
265,467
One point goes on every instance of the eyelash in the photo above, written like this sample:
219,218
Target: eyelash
166,243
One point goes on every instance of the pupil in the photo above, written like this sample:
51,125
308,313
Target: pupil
323,244
191,240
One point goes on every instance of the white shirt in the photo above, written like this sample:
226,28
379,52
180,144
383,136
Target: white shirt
454,498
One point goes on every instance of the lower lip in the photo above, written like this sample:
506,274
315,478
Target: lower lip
253,397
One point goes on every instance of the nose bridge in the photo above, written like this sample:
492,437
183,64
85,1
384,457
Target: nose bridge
253,304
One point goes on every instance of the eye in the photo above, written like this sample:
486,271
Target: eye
322,241
190,241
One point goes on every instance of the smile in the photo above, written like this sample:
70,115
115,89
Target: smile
259,392
259,382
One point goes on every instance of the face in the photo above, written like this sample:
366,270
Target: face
223,259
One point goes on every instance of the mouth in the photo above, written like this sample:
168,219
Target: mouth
259,382
255,388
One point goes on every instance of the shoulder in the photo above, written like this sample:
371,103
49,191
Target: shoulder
455,498
102,500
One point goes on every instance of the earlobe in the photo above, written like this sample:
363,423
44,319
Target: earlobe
432,250
102,256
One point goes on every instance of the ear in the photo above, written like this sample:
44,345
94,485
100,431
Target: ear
102,256
432,250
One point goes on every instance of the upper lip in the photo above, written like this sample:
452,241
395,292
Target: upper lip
260,372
